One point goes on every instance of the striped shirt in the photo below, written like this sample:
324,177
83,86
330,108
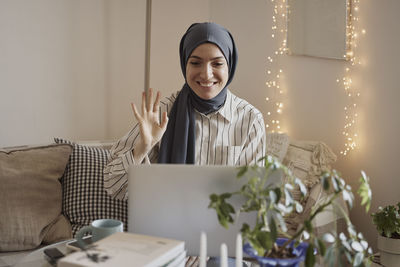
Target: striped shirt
233,135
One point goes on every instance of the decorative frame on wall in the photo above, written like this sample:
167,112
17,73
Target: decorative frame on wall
318,28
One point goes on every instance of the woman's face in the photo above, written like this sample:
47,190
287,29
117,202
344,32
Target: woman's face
207,71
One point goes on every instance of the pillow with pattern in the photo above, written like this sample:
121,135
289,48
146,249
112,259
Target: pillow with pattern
84,196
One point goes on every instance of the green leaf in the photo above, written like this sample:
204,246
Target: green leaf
288,197
351,230
347,197
257,246
306,235
223,221
330,256
364,191
303,188
245,229
253,183
348,256
328,237
265,240
357,246
278,193
310,257
358,259
325,183
242,171
272,228
225,195
273,196
335,184
299,207
308,226
227,208
281,221
214,198
321,246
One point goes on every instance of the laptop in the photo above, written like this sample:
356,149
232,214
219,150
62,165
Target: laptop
171,201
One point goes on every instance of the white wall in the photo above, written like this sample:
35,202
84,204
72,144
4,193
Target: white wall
125,67
69,68
52,70
170,19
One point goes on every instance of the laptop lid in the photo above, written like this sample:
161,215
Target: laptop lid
171,201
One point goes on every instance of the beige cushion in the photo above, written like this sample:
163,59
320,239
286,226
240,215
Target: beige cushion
277,144
307,160
30,196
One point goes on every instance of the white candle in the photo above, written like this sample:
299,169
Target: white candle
239,251
224,255
203,249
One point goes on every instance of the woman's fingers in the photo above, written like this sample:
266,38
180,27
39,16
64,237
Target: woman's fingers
148,107
135,112
164,120
149,100
144,103
157,102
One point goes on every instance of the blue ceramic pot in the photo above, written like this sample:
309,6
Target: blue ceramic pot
299,251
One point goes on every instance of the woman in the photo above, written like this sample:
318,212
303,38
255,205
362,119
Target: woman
204,123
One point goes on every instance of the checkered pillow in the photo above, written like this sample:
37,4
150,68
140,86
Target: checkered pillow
84,197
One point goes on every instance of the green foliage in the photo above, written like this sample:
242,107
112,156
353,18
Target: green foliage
265,194
387,221
365,191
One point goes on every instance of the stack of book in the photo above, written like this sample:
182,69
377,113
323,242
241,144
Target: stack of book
127,249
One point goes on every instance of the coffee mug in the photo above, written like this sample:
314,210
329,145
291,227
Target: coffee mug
99,229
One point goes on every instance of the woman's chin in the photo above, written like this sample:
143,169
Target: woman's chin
206,93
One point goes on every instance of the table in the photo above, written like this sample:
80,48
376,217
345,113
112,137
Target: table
37,259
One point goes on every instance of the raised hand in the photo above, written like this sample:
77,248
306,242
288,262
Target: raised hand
151,129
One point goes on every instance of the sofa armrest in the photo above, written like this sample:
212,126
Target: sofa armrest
104,144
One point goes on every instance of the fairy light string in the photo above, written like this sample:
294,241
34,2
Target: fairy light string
275,96
274,70
350,130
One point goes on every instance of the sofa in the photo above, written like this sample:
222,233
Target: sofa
48,192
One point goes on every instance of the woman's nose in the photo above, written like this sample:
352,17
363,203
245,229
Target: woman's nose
206,72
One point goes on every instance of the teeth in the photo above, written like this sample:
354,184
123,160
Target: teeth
206,84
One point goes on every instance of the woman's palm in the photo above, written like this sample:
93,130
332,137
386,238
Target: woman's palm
151,130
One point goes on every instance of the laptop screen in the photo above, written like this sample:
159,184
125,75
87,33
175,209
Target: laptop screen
171,201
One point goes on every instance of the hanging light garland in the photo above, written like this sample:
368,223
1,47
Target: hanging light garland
274,71
350,110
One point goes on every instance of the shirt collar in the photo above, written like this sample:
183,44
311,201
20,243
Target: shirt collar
225,111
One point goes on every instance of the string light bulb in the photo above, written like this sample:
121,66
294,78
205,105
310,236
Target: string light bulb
274,71
350,110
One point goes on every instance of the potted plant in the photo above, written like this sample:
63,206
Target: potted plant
265,194
387,221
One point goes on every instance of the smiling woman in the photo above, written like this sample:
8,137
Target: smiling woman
207,72
203,124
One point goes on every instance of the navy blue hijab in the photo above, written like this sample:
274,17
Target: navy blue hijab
178,142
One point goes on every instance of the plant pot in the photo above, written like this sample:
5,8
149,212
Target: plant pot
299,251
390,251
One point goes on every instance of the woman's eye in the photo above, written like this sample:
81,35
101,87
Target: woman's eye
194,63
218,64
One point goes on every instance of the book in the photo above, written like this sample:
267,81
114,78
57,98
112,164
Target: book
128,249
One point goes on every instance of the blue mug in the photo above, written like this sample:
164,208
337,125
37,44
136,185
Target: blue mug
99,229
